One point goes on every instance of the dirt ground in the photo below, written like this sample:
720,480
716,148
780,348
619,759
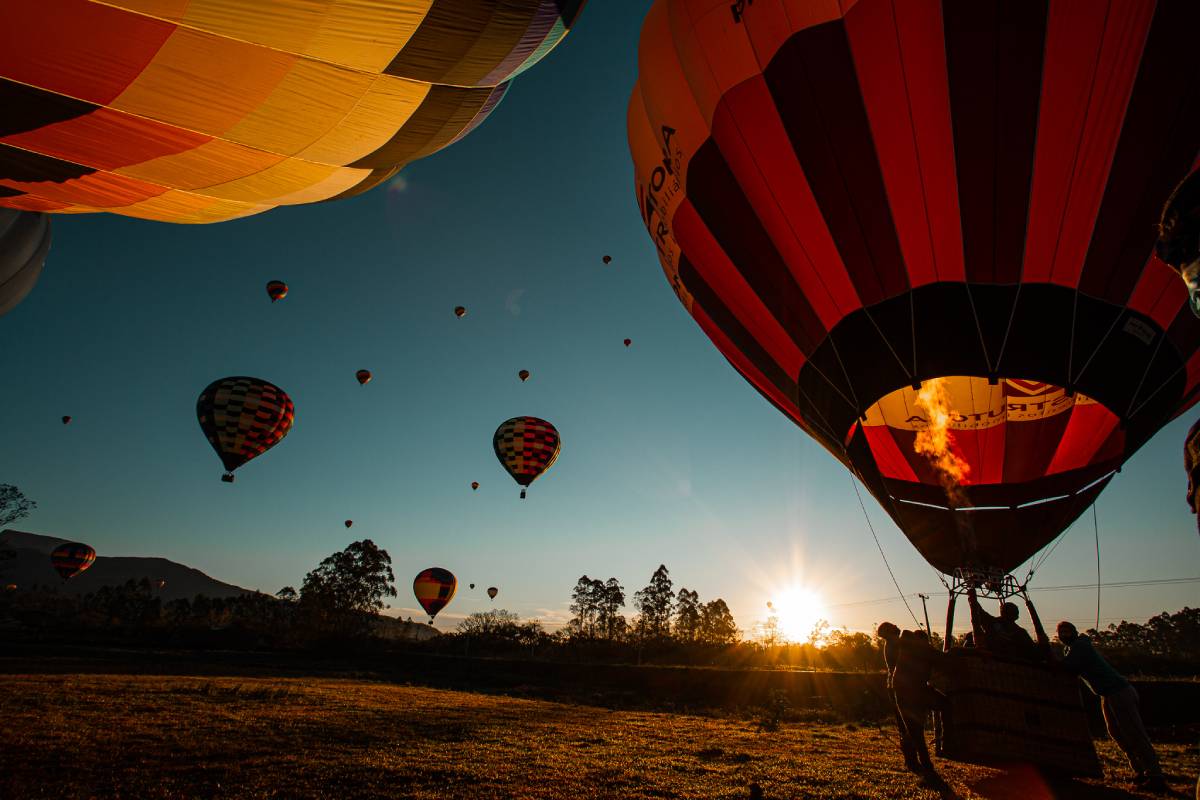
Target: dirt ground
124,736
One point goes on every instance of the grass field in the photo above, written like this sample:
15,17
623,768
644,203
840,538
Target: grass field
125,736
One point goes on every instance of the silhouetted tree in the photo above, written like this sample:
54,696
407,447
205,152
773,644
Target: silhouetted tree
14,505
501,624
717,625
610,621
596,606
347,587
655,604
687,615
287,594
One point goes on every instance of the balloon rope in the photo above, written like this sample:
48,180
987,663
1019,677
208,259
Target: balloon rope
871,528
1096,528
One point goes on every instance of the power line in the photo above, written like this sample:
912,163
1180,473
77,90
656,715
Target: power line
1063,588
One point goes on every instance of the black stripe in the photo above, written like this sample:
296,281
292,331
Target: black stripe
442,115
994,52
25,166
1157,146
813,81
719,201
27,108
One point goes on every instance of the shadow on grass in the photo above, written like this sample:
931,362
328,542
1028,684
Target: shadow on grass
1028,783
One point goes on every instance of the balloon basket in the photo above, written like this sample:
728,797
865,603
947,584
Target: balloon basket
522,494
227,477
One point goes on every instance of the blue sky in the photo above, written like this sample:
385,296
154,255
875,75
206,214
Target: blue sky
668,455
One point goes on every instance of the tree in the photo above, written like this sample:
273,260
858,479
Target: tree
585,608
349,586
14,505
501,624
687,615
717,625
655,603
287,594
610,622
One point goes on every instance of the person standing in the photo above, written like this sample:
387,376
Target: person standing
1118,701
915,698
889,634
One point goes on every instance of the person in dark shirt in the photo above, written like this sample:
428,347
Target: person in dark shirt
915,698
889,634
1118,701
1002,635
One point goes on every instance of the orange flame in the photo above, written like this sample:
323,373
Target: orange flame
936,440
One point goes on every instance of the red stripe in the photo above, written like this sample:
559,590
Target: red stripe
891,462
1091,436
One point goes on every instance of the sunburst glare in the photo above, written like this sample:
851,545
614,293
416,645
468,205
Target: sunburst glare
798,610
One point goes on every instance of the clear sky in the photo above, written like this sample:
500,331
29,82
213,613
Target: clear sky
668,455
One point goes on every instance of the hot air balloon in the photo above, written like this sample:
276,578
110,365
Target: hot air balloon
472,586
364,376
181,112
66,420
526,447
460,312
474,486
243,418
434,588
863,206
24,243
628,342
349,523
607,259
523,375
276,290
492,592
71,558
10,587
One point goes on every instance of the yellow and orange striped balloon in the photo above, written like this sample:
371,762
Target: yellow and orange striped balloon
209,110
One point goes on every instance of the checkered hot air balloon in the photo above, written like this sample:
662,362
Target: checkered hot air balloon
434,588
242,418
209,110
526,447
72,558
855,199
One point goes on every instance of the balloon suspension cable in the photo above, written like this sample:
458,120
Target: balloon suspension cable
871,528
1096,530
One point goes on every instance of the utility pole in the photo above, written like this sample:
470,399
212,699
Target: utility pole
924,597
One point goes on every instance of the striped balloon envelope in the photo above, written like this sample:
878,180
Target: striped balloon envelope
72,558
24,244
242,418
209,110
434,588
526,448
853,199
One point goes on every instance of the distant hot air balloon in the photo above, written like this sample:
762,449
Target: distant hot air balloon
472,586
865,203
24,243
364,376
460,311
71,558
349,523
434,589
66,420
526,447
492,592
523,375
213,110
474,485
628,342
276,290
242,418
607,259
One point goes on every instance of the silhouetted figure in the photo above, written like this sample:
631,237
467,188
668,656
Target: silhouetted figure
1178,244
1191,463
1002,635
1118,701
915,698
890,635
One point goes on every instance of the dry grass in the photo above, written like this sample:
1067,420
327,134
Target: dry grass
80,736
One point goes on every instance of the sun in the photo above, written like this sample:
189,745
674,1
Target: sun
798,610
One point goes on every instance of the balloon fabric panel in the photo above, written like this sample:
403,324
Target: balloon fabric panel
209,110
24,244
526,447
243,418
850,203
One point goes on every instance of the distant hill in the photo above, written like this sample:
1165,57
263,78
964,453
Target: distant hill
32,566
